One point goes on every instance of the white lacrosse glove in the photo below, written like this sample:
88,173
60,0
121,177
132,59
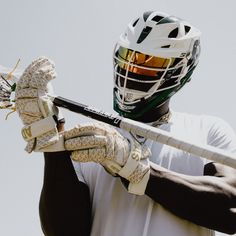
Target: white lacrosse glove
36,109
100,143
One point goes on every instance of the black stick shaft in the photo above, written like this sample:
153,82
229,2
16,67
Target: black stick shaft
155,134
87,111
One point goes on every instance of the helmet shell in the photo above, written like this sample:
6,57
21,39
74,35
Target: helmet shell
165,36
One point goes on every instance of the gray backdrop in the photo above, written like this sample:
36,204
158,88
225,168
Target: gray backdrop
79,36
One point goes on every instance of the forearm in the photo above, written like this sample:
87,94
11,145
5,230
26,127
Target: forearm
64,204
204,200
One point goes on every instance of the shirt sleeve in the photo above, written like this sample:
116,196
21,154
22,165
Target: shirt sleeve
221,135
78,170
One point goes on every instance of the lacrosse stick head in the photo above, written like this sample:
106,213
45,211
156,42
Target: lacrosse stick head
8,79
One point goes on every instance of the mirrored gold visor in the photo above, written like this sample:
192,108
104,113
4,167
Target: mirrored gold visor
140,63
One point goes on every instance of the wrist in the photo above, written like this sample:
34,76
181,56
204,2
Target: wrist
61,126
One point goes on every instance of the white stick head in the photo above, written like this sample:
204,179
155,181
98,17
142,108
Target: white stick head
8,78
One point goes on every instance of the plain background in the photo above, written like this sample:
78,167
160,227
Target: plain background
79,36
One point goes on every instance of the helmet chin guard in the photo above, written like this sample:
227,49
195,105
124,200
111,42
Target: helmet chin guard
153,59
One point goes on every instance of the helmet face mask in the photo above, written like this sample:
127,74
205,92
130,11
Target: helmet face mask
145,73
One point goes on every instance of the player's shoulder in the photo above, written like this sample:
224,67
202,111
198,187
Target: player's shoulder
212,126
203,118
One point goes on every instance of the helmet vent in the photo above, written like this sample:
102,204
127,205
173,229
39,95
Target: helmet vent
135,22
173,33
187,29
144,34
165,46
146,15
157,18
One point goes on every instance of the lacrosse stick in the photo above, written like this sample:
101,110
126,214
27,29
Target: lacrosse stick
8,84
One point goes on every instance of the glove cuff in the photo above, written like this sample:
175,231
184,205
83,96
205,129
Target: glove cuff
136,170
131,164
140,187
43,136
38,128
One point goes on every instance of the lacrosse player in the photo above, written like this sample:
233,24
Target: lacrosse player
118,183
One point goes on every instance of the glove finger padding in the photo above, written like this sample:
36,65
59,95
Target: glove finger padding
34,105
103,144
96,136
38,74
89,155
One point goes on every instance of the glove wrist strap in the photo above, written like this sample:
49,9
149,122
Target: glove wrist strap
131,164
140,187
38,128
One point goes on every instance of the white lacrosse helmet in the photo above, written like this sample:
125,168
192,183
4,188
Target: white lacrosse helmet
153,59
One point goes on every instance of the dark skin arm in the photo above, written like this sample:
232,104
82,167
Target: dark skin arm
65,207
208,200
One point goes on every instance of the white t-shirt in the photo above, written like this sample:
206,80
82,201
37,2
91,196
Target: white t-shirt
119,213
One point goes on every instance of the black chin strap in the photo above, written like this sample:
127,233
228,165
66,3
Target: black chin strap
155,114
163,119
